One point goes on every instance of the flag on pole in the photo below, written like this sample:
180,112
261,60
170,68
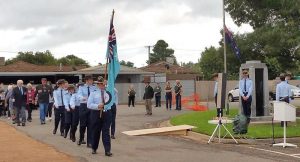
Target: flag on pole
230,40
113,63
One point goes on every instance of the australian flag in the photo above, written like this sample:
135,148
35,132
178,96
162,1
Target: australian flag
113,64
230,40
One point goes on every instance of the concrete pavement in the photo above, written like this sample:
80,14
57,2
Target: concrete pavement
149,148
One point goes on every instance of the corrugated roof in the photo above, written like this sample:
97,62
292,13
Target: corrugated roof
161,67
100,69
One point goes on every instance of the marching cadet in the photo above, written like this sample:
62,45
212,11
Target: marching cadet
59,110
100,118
283,92
74,104
84,113
245,88
68,111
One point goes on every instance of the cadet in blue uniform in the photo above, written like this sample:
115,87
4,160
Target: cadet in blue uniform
245,88
74,104
59,110
100,118
84,113
283,92
68,112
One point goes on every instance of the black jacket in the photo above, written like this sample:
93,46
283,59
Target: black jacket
148,92
43,93
20,99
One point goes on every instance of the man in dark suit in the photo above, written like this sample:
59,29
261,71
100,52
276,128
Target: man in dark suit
19,98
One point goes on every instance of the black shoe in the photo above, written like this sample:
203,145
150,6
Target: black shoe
65,135
54,131
73,139
113,137
79,142
29,120
23,124
83,142
13,122
94,151
18,124
89,146
150,114
61,134
108,154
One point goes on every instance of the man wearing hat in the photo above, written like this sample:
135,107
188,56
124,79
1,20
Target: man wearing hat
100,118
84,113
283,92
148,95
43,91
245,88
59,110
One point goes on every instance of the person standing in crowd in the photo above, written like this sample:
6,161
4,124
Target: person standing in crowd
283,92
157,94
9,103
49,109
74,105
59,110
245,88
148,95
84,113
30,101
2,103
100,118
178,91
131,95
68,110
19,95
168,90
114,114
43,91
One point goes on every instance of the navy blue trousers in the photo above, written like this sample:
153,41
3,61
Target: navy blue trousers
59,117
68,121
101,125
178,102
113,119
247,106
84,117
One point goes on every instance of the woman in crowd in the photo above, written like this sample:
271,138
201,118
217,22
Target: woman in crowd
168,90
9,102
30,101
131,95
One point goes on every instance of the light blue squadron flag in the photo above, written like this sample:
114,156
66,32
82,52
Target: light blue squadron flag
113,63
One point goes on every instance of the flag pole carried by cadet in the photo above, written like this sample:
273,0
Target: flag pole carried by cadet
112,64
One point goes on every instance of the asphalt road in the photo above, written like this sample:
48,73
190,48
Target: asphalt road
157,148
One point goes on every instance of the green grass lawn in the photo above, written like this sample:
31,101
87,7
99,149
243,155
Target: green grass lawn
200,120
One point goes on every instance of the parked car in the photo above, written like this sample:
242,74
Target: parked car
233,95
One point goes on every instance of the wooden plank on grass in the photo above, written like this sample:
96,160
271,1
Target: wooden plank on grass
162,130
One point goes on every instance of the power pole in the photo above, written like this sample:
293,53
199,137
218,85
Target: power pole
149,47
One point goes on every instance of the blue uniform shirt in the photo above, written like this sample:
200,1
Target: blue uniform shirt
58,98
83,92
247,89
94,100
75,100
67,99
283,89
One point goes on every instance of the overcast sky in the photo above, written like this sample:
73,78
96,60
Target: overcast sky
80,27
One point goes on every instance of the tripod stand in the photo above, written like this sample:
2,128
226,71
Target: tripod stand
218,128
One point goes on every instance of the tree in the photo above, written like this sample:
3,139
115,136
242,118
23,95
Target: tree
211,61
72,60
128,63
46,58
276,36
161,52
